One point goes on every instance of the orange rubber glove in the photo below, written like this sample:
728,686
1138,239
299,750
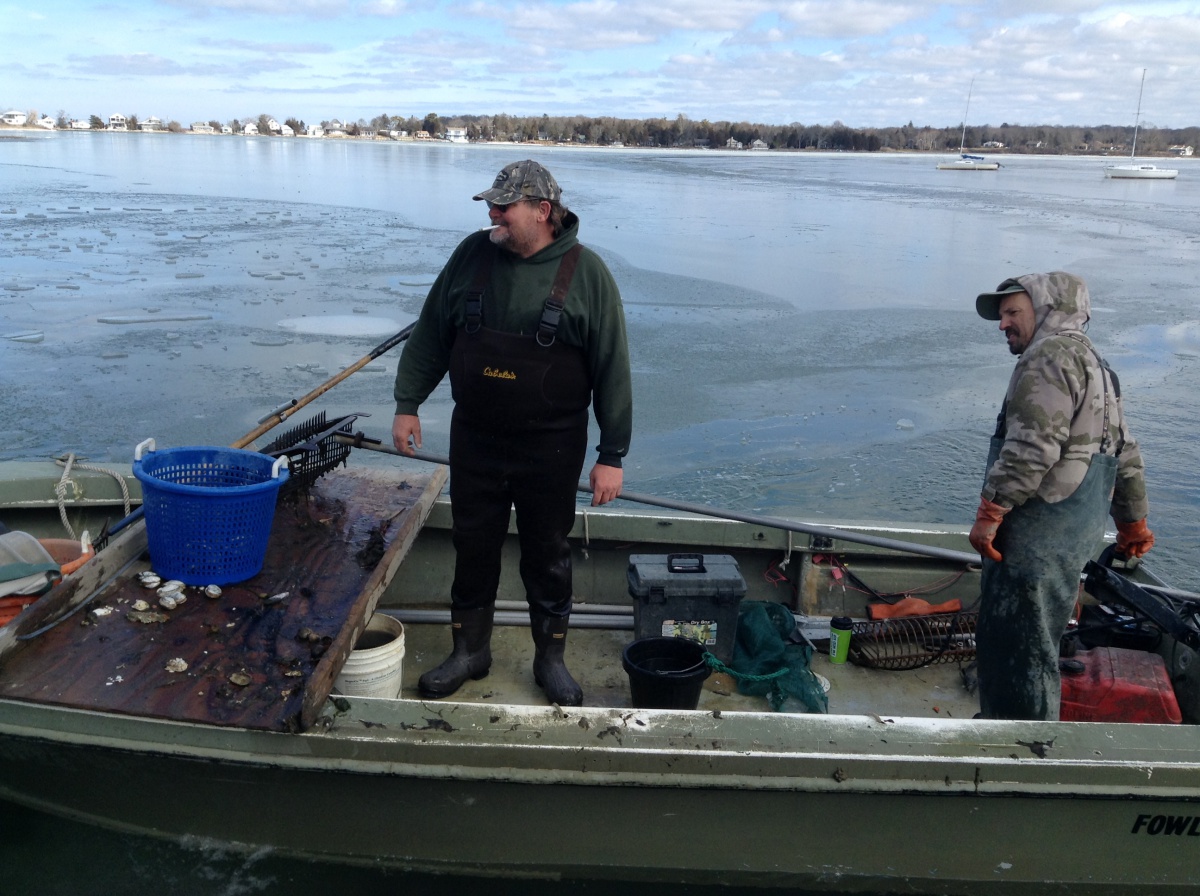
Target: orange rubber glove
1134,539
987,521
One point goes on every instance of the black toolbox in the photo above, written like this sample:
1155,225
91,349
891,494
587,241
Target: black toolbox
687,595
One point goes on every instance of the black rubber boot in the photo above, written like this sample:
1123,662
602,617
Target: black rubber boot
470,658
549,671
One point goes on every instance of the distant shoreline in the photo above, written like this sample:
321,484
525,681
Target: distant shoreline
9,132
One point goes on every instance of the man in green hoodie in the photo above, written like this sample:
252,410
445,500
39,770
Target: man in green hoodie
529,325
1062,459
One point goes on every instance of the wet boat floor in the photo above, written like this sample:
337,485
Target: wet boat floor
594,657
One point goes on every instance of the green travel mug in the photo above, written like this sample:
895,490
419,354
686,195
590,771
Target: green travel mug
839,638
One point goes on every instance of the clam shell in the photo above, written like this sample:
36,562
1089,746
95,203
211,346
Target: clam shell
167,602
150,581
213,591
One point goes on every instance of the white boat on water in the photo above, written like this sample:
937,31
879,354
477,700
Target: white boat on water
1139,170
969,163
1143,171
966,161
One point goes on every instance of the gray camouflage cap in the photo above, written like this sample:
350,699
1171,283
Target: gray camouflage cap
522,180
988,303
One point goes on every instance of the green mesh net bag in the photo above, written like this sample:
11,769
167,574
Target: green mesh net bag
771,659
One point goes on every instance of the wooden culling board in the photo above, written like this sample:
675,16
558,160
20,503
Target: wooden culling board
247,662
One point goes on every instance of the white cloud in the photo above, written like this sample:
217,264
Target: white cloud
317,8
855,18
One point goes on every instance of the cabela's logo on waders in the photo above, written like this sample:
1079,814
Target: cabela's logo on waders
499,374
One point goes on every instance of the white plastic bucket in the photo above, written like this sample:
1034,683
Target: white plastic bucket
375,665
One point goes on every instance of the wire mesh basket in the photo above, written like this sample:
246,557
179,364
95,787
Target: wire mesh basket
208,510
913,641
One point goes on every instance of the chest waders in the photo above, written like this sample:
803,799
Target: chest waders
1029,596
518,437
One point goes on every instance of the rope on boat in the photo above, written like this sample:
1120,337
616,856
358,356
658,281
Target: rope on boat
717,666
66,483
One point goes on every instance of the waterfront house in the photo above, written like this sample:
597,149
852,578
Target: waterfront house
153,123
201,127
1179,150
250,129
14,118
117,122
456,135
46,122
80,124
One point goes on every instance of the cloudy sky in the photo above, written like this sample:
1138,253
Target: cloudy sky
863,62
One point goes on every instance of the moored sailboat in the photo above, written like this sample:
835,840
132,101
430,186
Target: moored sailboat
1143,170
966,161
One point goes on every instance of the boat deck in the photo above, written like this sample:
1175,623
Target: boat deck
594,658
112,664
264,654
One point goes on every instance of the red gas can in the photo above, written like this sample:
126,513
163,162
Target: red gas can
1117,685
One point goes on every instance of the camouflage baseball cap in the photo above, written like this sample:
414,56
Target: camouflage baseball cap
988,303
522,180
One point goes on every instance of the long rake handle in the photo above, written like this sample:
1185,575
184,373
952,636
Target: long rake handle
360,441
278,417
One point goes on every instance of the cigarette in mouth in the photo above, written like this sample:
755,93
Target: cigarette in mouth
485,229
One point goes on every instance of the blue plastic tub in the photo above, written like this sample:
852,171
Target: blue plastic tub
208,511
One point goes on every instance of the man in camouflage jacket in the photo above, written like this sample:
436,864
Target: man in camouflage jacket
1061,461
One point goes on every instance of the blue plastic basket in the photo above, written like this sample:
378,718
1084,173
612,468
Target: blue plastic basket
208,511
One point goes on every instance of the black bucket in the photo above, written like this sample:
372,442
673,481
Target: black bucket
665,673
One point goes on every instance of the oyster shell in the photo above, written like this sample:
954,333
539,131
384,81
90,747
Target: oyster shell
179,664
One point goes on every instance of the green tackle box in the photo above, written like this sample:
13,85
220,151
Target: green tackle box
687,595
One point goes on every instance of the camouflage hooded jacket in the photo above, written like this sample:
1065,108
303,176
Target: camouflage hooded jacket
1053,415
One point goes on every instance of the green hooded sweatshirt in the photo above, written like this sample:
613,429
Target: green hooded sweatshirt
592,320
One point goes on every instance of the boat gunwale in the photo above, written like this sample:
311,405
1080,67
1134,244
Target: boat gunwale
867,754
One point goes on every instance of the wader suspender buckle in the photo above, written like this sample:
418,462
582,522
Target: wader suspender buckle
474,303
1105,439
552,310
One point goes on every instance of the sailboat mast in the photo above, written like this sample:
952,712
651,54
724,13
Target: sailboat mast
963,141
1137,117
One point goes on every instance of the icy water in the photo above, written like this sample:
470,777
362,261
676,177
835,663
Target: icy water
802,329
